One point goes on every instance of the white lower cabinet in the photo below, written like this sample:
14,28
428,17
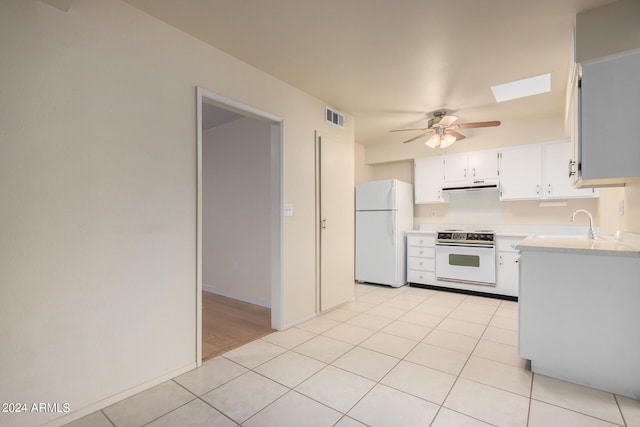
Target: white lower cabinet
508,267
579,319
421,263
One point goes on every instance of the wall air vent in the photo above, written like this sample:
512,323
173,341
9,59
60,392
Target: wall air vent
334,117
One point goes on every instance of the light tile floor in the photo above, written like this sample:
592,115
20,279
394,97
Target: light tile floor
393,357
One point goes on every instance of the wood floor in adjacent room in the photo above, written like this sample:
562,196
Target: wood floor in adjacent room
228,323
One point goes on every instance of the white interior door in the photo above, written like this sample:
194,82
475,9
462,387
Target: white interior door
336,190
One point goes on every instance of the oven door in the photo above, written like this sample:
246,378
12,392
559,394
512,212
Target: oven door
474,264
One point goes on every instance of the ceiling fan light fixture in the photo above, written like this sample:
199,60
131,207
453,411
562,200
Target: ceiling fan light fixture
447,141
434,141
440,141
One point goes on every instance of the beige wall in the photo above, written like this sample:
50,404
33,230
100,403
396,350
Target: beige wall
362,171
98,198
607,30
236,200
631,219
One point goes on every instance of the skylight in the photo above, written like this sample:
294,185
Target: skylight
521,88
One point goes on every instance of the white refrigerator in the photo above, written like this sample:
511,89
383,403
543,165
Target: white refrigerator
384,211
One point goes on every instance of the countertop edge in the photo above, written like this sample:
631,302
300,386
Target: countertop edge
546,247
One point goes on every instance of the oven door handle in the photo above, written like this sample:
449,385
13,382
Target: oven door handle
462,245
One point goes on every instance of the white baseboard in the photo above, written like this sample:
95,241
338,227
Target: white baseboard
91,408
231,294
299,321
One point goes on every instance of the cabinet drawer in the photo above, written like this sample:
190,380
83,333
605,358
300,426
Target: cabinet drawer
508,244
423,277
424,264
420,251
423,240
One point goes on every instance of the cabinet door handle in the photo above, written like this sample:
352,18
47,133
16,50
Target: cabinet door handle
537,189
474,172
500,261
465,172
549,189
324,223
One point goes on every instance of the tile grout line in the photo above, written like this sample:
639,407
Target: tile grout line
344,414
624,420
530,398
582,413
465,364
107,417
461,369
379,382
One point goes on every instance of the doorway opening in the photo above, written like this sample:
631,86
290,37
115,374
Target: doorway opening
239,224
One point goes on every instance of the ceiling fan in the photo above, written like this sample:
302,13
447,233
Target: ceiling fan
444,130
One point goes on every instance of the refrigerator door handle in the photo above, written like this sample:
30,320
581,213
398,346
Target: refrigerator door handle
393,226
392,202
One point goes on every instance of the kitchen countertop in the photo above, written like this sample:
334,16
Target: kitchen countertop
498,234
606,245
550,238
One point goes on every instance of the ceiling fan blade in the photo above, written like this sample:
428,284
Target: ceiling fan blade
477,125
418,137
458,136
447,121
403,130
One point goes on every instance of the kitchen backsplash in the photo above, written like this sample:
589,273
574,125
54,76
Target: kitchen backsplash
484,207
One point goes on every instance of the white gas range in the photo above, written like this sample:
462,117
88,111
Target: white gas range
466,257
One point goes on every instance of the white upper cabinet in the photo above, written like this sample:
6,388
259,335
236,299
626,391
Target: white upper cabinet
521,172
538,171
557,182
429,180
607,146
455,168
463,168
483,164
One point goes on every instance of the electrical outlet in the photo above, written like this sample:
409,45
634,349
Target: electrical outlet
433,213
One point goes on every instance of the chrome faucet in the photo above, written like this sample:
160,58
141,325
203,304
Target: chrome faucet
592,233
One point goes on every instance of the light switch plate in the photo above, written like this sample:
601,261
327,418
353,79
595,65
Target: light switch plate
288,209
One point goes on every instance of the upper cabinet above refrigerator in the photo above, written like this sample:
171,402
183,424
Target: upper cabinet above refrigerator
607,129
605,103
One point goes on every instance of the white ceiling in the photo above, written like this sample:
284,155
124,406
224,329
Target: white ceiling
391,62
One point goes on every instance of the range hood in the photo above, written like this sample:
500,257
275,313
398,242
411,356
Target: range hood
476,185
